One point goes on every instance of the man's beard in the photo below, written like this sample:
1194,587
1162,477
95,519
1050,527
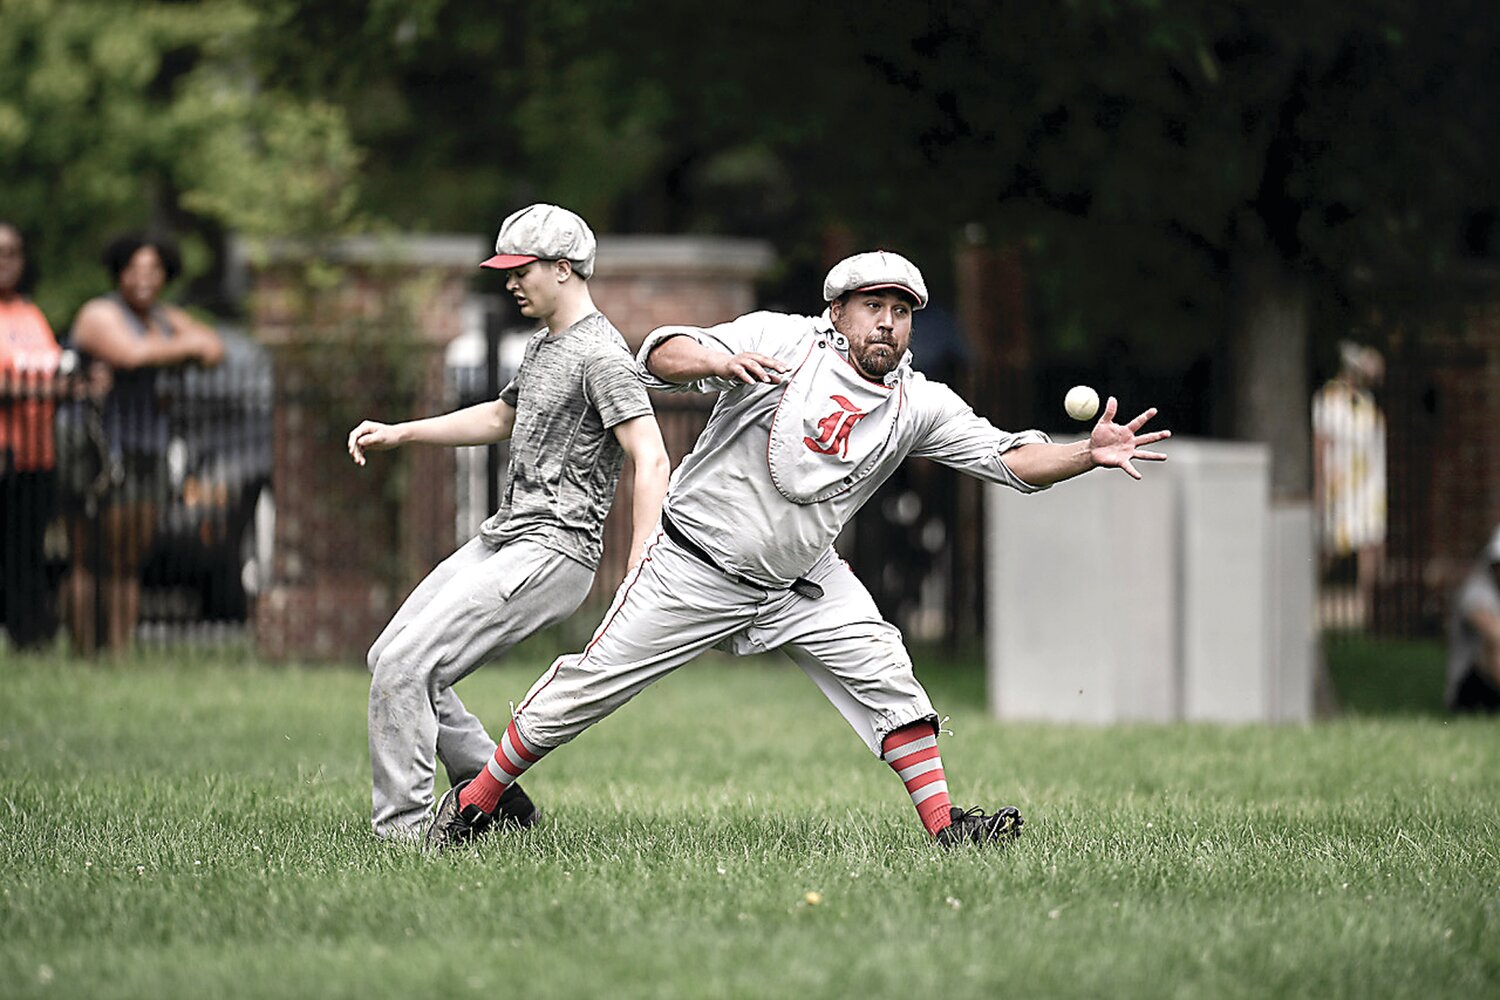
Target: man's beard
877,366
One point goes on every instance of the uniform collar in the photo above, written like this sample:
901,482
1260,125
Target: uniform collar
823,325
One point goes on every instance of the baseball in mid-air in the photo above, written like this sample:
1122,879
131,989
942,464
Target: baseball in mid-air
1081,402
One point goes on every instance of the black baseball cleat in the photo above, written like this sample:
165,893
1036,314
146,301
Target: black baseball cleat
452,825
516,808
974,827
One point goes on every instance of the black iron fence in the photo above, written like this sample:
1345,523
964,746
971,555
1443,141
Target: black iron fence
155,524
136,505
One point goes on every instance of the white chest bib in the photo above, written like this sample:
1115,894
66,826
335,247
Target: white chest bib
832,425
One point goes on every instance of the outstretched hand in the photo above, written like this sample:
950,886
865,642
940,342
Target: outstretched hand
1112,444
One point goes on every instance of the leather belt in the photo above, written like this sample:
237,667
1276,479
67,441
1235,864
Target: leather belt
803,587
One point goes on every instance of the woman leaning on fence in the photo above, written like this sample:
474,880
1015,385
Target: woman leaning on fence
113,516
28,365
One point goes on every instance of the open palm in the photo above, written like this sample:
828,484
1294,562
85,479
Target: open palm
1118,445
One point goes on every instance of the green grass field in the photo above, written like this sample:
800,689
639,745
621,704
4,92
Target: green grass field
173,828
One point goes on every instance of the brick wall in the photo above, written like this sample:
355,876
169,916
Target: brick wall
359,335
642,282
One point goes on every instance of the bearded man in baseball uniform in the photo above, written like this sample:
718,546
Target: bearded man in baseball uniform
575,409
813,414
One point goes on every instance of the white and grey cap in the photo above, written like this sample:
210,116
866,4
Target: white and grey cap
875,270
544,232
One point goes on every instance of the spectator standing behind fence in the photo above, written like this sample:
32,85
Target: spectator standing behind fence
1474,637
138,337
29,355
1349,468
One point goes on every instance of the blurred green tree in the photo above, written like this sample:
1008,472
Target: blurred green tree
1227,178
1240,183
1236,183
118,115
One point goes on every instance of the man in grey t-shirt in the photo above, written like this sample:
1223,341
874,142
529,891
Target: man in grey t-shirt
575,409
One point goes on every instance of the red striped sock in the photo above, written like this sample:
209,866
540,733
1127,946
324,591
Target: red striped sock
912,752
512,757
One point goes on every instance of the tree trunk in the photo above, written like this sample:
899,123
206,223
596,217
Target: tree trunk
1268,352
1272,392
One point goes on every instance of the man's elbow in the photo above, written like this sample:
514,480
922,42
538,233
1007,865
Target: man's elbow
661,464
671,357
654,465
660,364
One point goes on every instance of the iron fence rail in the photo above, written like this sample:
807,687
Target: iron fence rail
182,501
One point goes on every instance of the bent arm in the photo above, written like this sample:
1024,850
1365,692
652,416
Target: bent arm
100,331
641,439
681,359
209,348
483,423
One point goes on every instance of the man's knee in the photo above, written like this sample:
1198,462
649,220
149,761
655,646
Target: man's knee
396,672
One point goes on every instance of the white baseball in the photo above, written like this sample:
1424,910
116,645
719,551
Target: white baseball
1081,402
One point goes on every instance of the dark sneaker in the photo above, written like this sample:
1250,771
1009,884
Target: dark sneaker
451,826
516,808
974,827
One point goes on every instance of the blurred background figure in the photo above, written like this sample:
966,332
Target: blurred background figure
1474,637
29,356
1349,481
142,341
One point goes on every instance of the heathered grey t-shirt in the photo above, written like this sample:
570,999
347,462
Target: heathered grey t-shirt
565,462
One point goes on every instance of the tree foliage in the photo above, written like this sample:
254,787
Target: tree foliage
1136,146
118,115
1153,157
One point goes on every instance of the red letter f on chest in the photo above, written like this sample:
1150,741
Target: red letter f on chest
833,430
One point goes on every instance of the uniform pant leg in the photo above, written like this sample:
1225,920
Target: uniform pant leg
463,744
480,606
471,553
855,657
670,609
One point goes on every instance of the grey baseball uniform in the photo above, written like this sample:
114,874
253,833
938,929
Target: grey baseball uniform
774,477
530,566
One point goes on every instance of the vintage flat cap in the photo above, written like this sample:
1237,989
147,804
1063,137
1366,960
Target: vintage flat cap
875,270
544,232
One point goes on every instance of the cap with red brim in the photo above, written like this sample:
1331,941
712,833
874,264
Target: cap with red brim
544,232
506,261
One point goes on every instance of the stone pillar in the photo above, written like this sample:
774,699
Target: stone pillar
1185,596
356,329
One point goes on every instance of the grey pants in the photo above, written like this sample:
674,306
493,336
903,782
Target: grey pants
673,607
477,603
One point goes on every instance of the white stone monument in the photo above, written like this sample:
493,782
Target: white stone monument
1183,596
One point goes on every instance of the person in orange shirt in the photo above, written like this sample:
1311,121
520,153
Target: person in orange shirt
29,355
